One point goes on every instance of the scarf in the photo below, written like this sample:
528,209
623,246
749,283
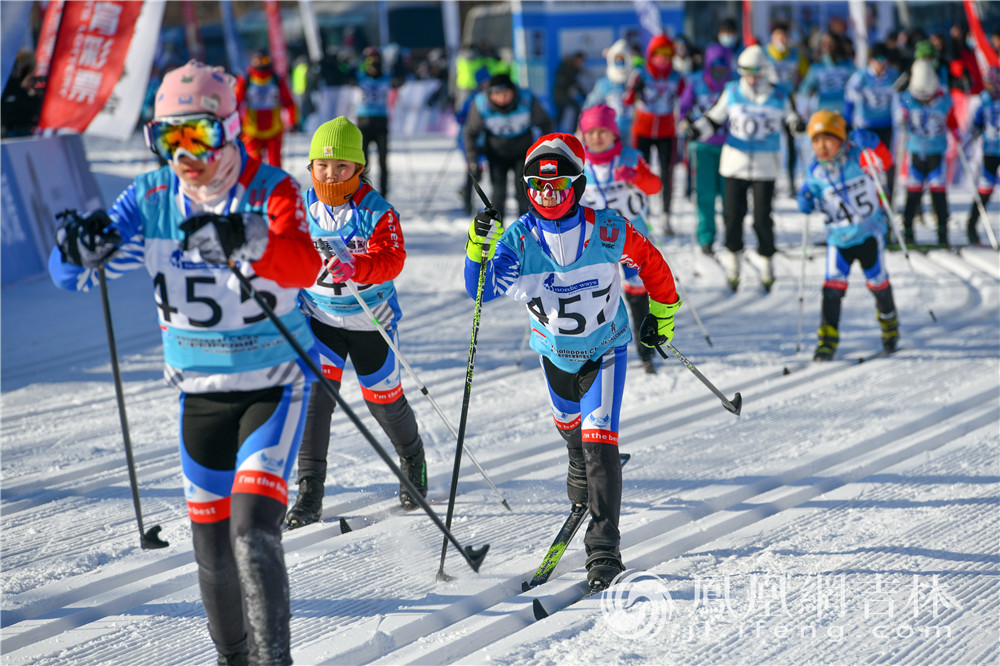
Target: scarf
336,194
225,177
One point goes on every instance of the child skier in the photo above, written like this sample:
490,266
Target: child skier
610,88
263,96
373,112
698,97
342,207
869,100
756,110
654,90
561,260
986,121
839,184
243,387
927,115
619,178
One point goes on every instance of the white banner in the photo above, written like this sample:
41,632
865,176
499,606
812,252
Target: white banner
118,117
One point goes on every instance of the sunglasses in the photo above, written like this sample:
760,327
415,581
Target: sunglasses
196,136
559,183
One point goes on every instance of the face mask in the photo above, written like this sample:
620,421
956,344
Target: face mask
970,41
780,48
728,40
827,59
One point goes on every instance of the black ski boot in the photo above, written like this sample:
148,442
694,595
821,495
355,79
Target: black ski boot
828,339
890,331
235,659
415,469
576,483
603,566
308,507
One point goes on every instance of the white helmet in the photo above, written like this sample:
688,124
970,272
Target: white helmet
618,53
924,82
752,61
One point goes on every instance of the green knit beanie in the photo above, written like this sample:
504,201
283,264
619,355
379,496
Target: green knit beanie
925,49
337,139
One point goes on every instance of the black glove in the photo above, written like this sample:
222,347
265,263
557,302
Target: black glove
484,222
799,126
691,133
87,241
242,236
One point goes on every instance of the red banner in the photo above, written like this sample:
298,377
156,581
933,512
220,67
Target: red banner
985,50
748,38
89,59
276,38
47,38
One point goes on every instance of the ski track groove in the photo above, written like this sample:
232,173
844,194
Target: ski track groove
107,599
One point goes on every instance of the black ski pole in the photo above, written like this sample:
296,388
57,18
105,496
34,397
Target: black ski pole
150,539
472,555
733,406
463,421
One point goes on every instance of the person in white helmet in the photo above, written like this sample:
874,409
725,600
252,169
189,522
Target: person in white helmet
758,112
927,115
610,88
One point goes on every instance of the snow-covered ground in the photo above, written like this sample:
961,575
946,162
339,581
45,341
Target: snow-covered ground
849,515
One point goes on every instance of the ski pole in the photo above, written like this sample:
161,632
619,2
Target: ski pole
802,283
325,251
147,539
694,312
733,406
463,421
472,555
893,222
979,203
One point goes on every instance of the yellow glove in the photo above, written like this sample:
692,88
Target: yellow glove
484,228
658,326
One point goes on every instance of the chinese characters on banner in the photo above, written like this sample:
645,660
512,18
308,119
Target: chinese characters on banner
100,66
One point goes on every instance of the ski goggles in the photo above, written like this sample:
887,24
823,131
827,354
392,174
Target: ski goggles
197,136
559,183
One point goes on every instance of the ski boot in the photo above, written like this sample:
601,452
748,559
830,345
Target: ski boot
576,483
890,331
828,339
235,659
415,469
308,507
973,235
732,266
603,567
767,274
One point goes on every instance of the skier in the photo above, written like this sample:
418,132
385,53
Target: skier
263,96
870,99
343,207
702,94
756,110
619,178
986,121
827,78
654,90
927,116
373,112
610,88
839,184
505,117
789,65
242,405
561,260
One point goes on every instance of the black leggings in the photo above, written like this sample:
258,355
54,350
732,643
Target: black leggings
665,154
734,209
376,129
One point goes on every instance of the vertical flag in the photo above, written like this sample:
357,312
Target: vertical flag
47,38
859,19
985,55
649,20
748,38
100,66
276,38
234,50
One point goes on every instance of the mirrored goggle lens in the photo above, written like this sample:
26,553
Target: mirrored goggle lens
558,184
199,137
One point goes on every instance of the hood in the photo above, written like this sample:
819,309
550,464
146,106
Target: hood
715,52
655,43
618,74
